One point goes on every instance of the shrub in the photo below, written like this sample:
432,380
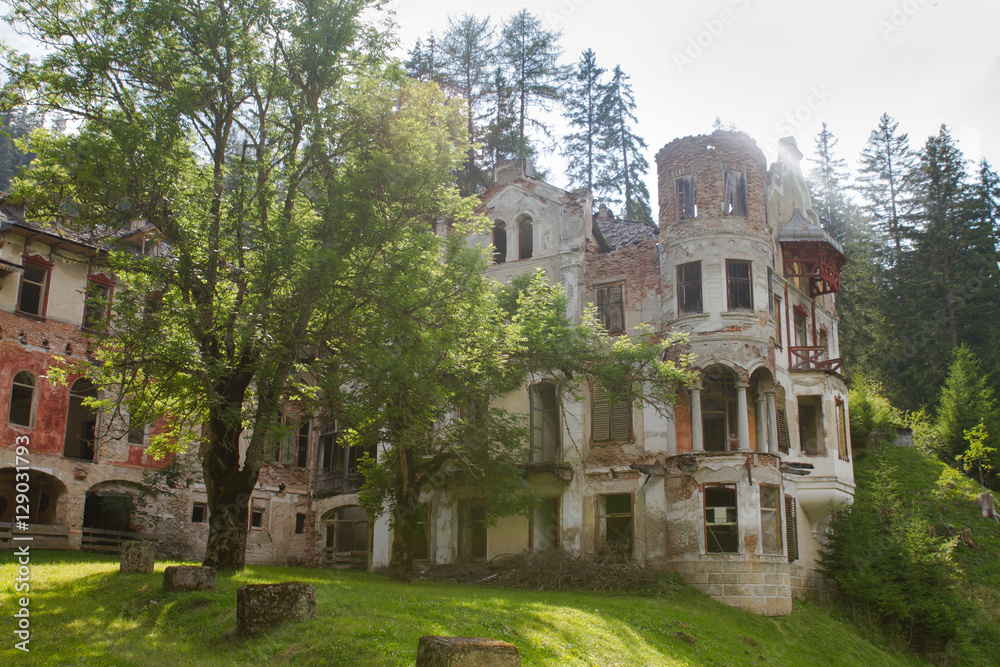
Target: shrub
873,418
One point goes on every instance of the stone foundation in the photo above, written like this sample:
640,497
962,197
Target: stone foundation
756,586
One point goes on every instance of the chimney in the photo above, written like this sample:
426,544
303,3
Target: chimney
512,170
603,214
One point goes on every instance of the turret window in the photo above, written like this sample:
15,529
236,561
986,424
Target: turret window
739,286
689,289
735,197
686,206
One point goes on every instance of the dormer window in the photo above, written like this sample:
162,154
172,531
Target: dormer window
735,197
686,206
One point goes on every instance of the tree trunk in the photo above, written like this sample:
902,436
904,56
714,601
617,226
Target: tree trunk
229,488
404,524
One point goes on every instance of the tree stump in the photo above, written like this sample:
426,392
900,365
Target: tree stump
189,578
138,557
466,652
262,606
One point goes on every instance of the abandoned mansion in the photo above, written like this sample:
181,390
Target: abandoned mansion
732,489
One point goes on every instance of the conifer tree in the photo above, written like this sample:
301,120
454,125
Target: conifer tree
827,182
529,55
582,146
425,60
501,139
626,166
886,164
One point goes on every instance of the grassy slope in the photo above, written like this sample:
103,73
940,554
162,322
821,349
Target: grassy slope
946,497
84,612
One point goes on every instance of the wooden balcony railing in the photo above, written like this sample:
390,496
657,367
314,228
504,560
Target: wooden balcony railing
333,483
807,358
110,541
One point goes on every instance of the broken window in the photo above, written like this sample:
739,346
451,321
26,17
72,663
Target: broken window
471,531
300,523
610,308
81,422
34,289
347,538
544,525
614,524
811,425
22,400
199,513
525,240
791,529
544,422
293,448
770,520
842,432
721,527
689,289
735,198
718,412
770,292
499,242
331,454
611,415
96,302
777,322
257,518
686,206
136,432
801,337
738,284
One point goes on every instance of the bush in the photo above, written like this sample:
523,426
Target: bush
890,571
873,419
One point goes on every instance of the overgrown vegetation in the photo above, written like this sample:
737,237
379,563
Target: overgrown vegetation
84,612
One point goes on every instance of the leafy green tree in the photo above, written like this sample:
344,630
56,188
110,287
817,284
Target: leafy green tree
967,400
529,56
286,168
581,146
429,393
626,166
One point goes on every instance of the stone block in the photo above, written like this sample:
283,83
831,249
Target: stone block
435,651
737,567
137,557
189,578
263,606
778,606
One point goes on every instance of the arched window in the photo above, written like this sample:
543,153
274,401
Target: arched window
526,243
718,410
347,538
22,400
499,242
81,422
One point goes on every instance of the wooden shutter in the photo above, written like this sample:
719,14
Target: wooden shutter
612,421
616,311
779,399
791,529
600,416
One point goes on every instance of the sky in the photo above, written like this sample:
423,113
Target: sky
772,68
775,68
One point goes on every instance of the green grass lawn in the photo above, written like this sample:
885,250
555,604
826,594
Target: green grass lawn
85,613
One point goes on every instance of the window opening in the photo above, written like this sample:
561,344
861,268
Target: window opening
770,520
689,299
525,240
721,527
735,199
471,531
686,205
199,513
34,286
544,423
610,308
81,422
718,413
811,425
615,524
499,242
545,525
612,415
22,400
738,284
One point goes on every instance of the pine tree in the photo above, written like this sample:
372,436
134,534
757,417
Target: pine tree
529,54
626,166
501,140
886,164
468,57
827,182
966,401
582,111
425,60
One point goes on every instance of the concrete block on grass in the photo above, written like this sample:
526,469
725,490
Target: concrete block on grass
433,651
263,606
137,557
189,578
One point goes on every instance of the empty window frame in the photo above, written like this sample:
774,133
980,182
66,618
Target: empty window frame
689,299
257,517
34,287
136,432
96,303
734,200
718,412
543,528
81,422
347,538
293,448
329,452
610,308
811,425
842,432
300,523
471,531
544,422
199,513
611,416
22,400
778,342
801,331
739,287
770,292
721,525
685,190
525,241
499,242
770,519
614,524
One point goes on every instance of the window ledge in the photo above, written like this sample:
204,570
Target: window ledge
740,313
37,318
693,317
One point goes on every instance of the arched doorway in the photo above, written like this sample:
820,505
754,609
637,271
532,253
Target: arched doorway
114,511
46,507
718,410
346,538
81,422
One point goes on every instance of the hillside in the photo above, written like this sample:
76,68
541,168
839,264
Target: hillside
84,612
947,500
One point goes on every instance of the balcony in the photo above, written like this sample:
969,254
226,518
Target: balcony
807,358
336,483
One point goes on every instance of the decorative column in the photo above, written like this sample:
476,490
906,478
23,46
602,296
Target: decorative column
761,422
772,423
697,443
742,421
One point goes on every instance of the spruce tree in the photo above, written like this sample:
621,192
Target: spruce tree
626,167
827,182
529,56
15,124
581,146
883,184
424,60
501,139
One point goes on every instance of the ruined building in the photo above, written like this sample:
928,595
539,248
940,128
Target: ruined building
732,490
